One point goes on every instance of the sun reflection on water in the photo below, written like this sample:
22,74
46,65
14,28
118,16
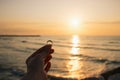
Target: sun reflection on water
75,44
74,65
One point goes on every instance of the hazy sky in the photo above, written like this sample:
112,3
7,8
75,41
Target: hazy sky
95,17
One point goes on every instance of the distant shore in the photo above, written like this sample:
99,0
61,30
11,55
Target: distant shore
20,35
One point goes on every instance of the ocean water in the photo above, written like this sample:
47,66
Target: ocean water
74,57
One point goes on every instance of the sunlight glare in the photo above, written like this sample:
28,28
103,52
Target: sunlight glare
75,22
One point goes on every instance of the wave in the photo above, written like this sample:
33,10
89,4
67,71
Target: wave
60,78
97,60
36,43
16,49
6,38
60,45
90,58
97,48
114,42
29,42
33,49
24,41
56,58
115,45
11,70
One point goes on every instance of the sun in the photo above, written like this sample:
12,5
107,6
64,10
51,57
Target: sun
75,25
75,22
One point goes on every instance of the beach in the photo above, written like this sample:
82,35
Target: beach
75,57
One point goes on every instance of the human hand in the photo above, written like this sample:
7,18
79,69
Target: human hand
38,64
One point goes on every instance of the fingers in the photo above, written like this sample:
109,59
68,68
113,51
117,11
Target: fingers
47,59
39,60
44,51
52,51
48,63
45,48
47,66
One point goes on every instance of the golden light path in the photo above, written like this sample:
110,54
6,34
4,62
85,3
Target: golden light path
74,64
75,44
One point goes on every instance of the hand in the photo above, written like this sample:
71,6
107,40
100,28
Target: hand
38,64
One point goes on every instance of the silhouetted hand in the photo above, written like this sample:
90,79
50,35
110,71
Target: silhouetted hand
38,64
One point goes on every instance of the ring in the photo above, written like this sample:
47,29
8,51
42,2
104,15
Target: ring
50,42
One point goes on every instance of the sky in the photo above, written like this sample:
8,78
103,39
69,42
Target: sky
60,17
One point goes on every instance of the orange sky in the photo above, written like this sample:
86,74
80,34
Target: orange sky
52,17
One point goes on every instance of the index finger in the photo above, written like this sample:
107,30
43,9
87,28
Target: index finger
45,48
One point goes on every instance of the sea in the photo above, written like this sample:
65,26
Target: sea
75,57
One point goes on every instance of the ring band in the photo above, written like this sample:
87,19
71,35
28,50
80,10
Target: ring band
50,42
